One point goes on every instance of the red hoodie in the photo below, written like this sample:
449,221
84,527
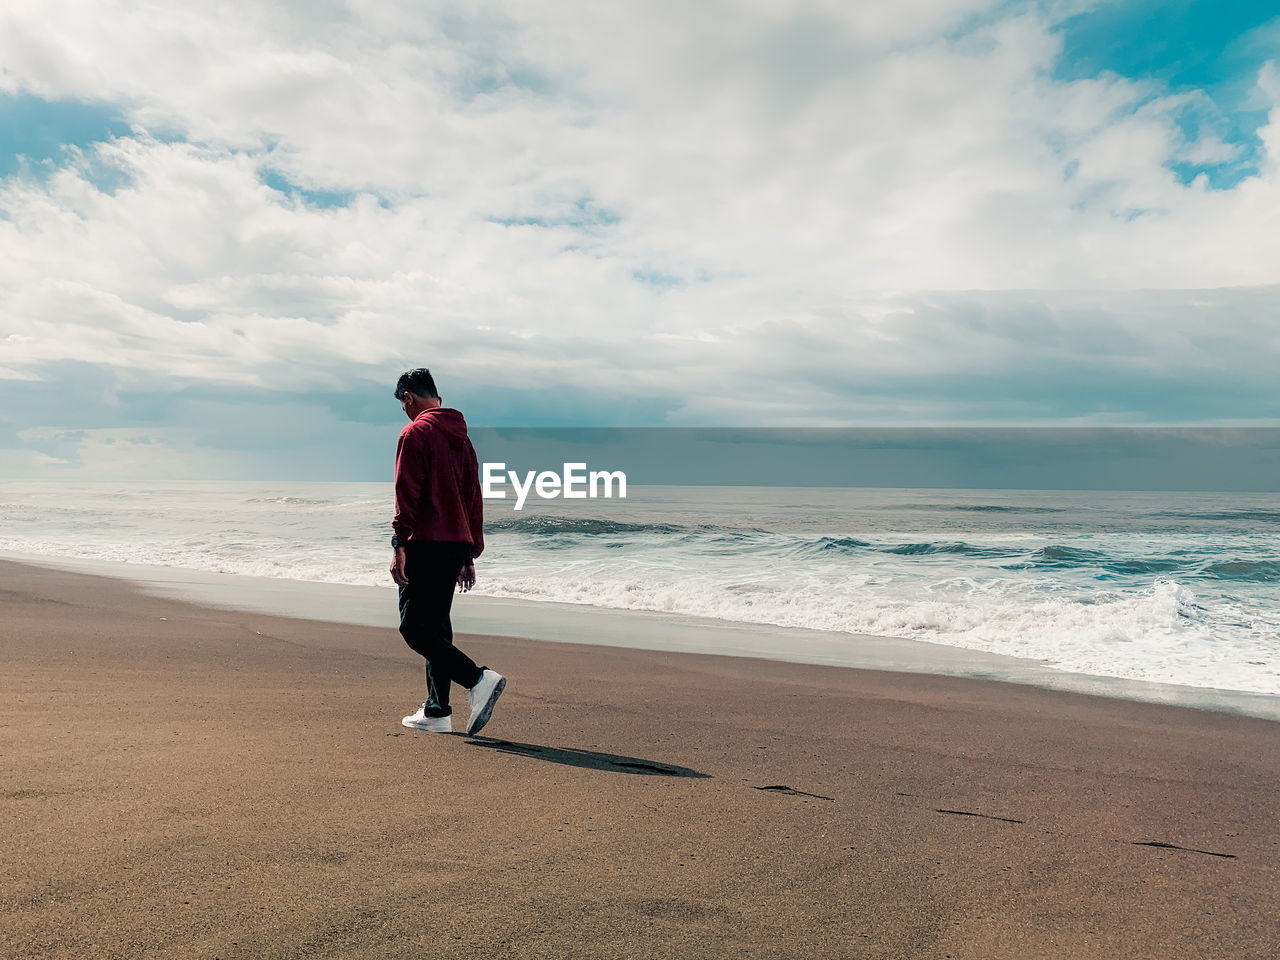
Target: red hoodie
437,482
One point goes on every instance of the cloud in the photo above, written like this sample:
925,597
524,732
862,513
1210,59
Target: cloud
710,213
8,374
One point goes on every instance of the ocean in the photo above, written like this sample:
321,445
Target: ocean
1178,588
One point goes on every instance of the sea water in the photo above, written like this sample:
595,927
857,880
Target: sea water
1173,587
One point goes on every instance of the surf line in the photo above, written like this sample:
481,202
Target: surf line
575,482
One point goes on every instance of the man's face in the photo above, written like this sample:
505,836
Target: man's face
407,404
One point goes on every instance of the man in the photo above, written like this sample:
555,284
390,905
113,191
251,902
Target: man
436,537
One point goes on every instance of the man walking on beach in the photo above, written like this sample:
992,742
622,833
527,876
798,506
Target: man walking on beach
437,534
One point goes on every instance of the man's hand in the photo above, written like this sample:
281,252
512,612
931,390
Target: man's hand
467,577
397,568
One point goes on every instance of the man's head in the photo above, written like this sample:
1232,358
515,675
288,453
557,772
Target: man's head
416,391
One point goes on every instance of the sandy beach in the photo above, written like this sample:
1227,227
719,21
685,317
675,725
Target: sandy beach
195,782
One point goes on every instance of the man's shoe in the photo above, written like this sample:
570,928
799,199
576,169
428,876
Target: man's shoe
483,696
427,718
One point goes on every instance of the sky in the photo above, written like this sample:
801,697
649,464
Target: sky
226,228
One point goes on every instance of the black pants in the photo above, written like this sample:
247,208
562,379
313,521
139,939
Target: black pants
432,569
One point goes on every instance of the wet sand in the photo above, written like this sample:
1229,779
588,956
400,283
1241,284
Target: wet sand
196,782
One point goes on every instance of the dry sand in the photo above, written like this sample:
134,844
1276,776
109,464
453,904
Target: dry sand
190,782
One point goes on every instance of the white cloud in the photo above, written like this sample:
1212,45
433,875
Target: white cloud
8,374
109,454
796,181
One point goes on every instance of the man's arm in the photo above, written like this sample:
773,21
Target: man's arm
410,476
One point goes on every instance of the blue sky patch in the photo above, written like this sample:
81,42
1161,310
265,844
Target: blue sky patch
487,38
322,199
657,278
35,133
1185,45
487,83
1189,44
583,214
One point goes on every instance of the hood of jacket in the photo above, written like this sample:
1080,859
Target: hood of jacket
445,419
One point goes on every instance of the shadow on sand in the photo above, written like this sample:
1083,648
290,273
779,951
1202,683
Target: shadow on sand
589,759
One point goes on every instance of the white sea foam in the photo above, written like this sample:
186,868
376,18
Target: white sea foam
1157,634
1088,585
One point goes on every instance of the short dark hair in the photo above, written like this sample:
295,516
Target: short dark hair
416,381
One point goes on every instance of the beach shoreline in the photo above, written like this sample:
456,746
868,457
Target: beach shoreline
644,630
205,782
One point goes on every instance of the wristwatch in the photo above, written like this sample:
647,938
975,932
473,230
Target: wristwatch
395,542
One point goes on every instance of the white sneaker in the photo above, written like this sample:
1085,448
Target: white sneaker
483,696
420,721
